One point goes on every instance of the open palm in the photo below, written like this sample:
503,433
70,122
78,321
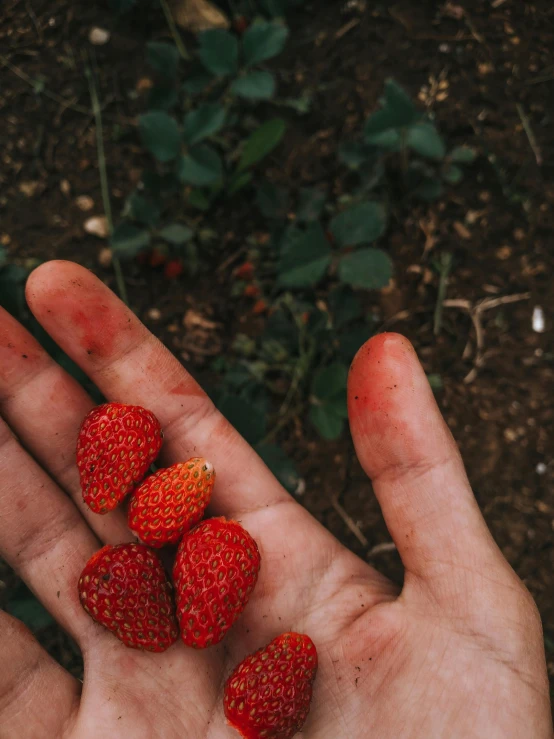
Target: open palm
457,653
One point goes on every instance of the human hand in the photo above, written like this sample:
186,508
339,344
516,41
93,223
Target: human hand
457,653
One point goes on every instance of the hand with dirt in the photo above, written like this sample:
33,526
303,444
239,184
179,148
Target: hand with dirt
456,653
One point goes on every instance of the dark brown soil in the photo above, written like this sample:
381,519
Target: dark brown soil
486,70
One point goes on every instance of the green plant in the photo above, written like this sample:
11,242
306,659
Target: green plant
321,260
203,132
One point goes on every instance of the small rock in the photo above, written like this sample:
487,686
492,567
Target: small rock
537,320
99,36
28,188
154,314
504,252
84,203
105,257
97,226
5,239
65,187
540,468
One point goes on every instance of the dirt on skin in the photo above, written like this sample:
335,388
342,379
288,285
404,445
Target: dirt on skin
486,71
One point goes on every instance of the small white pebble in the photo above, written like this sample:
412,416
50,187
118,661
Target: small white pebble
84,203
540,468
65,187
105,257
154,314
538,320
99,36
97,226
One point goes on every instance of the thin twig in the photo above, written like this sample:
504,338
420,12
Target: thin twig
387,546
104,184
35,84
352,525
33,17
533,143
445,267
174,30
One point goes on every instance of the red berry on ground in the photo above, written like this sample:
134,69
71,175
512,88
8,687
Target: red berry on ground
173,269
268,695
125,588
157,257
215,571
252,291
171,501
259,307
117,443
245,271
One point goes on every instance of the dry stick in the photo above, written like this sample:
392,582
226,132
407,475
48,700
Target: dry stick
174,31
530,134
47,93
387,546
352,525
104,185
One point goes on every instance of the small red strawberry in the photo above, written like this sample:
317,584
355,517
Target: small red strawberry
245,272
173,269
116,445
171,502
215,572
268,695
125,589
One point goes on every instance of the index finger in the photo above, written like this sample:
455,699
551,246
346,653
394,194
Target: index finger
128,364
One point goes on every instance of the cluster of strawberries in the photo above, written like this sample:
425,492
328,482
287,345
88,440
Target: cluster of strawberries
125,587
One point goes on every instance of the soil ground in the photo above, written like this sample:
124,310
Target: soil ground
486,70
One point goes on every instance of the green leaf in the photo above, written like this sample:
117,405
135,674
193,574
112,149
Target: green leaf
263,41
273,201
345,306
352,339
162,97
305,257
197,83
219,52
160,135
163,57
262,142
429,189
463,155
435,381
12,289
140,209
328,409
367,268
202,166
281,465
31,612
330,382
361,224
176,234
159,184
127,240
239,181
248,418
388,140
203,122
256,85
327,421
199,199
310,204
3,256
424,139
354,154
398,111
453,175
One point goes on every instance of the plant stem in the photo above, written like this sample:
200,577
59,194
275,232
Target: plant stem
104,185
445,267
174,30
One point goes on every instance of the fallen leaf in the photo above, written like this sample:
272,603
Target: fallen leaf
461,230
198,15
